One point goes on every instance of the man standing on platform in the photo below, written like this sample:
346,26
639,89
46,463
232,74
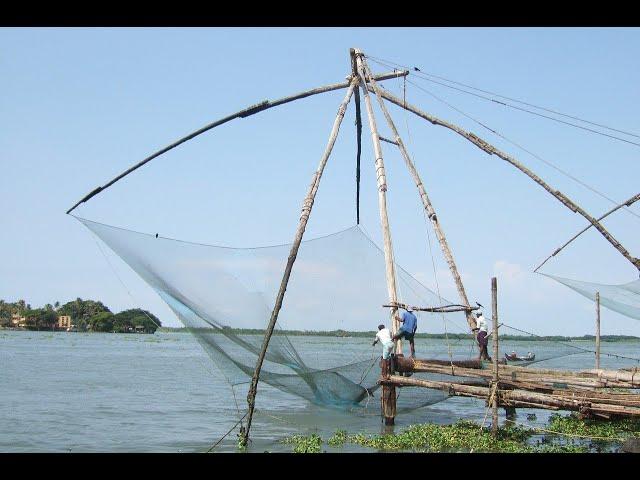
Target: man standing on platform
408,329
481,336
384,336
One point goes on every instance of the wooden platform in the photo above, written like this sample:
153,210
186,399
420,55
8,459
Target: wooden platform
587,392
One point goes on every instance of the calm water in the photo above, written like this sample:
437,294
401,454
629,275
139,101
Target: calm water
78,392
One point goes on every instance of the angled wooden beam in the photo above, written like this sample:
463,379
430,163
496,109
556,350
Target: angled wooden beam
307,205
244,113
446,250
491,150
382,198
628,203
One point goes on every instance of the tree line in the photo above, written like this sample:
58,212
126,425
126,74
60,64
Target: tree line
86,315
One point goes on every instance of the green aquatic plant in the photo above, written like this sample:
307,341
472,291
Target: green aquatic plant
614,430
338,439
305,443
462,436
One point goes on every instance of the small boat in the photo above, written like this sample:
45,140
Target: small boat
514,357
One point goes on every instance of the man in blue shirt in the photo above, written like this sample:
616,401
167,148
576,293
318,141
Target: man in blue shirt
408,329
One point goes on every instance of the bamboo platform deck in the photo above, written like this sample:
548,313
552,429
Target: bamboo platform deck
586,392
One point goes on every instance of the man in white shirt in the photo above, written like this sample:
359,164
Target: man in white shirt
481,336
384,336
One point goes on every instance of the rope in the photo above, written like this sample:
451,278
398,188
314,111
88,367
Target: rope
585,185
435,277
574,346
492,394
223,437
517,145
155,323
433,264
529,111
123,284
421,74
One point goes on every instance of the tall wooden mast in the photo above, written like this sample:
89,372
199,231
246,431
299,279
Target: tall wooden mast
382,194
431,213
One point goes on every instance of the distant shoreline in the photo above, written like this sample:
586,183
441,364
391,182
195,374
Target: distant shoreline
371,334
359,334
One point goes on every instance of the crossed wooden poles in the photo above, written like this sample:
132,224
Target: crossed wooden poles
361,77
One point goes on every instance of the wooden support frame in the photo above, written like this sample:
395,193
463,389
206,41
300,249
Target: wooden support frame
491,150
382,198
307,205
627,203
244,113
446,250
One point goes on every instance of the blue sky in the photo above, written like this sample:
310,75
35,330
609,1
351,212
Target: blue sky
81,105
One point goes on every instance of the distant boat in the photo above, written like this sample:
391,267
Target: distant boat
514,357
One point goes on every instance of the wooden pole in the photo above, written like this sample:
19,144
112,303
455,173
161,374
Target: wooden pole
307,205
627,203
597,330
246,112
388,391
490,149
382,198
356,96
446,250
473,368
494,310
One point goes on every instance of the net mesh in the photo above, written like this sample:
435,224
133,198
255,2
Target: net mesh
225,296
624,299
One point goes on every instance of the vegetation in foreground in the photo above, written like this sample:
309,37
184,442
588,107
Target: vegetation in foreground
468,436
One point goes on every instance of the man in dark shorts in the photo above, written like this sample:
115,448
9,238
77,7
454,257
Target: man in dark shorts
408,330
482,336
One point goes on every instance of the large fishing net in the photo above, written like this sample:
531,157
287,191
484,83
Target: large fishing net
624,299
225,297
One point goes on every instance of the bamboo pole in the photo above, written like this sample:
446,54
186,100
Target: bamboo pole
446,250
494,309
307,205
542,378
597,330
627,203
388,391
246,112
382,199
490,149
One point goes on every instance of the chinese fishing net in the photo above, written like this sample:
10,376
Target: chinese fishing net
624,299
225,297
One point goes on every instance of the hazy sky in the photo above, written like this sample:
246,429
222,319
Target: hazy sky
81,105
